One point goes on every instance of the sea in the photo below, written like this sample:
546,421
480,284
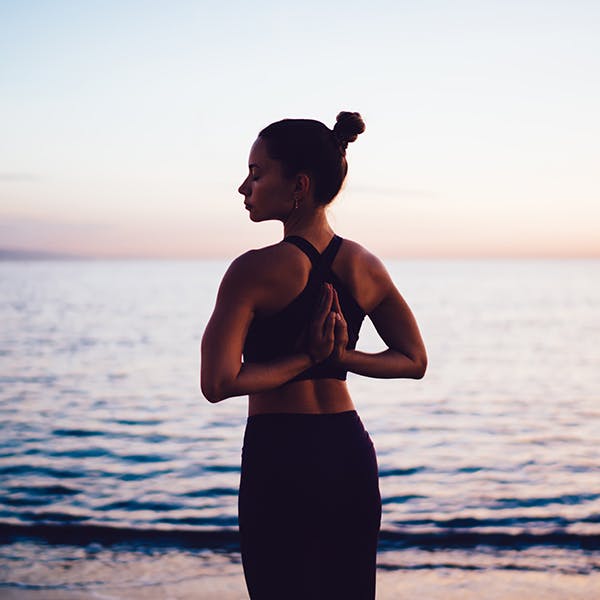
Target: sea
108,450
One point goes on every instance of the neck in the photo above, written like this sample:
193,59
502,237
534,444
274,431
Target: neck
311,225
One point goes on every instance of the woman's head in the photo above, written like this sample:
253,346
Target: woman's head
310,147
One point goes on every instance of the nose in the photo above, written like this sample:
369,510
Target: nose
244,189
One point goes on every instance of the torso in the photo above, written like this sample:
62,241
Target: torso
286,272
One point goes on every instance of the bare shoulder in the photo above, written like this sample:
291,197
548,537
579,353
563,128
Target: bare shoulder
255,275
365,273
260,261
364,259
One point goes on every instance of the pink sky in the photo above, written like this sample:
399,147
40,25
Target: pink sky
483,129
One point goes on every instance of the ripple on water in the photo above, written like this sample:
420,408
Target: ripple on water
46,471
77,432
533,502
222,468
133,505
400,499
93,452
401,472
146,458
135,422
211,492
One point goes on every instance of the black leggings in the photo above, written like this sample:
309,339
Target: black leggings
309,507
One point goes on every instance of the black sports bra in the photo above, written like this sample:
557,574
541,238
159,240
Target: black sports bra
281,334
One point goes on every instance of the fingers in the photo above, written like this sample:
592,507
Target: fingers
325,302
329,328
322,331
340,333
337,308
336,302
340,325
340,341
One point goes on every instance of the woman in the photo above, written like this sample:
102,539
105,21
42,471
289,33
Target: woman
309,502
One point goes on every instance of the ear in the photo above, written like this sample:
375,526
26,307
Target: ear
302,184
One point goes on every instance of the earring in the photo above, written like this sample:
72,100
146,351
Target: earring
296,203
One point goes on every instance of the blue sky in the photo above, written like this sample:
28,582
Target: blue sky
126,125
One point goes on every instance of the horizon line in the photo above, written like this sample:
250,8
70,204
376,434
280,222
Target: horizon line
19,254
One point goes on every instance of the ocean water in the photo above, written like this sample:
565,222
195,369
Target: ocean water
108,448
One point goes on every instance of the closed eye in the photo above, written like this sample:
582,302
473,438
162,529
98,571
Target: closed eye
252,168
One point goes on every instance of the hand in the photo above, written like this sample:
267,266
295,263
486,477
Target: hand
321,332
340,331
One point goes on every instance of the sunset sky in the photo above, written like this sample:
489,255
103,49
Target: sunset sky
125,125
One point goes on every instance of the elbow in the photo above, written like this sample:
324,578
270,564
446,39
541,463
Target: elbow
212,397
214,386
420,366
212,391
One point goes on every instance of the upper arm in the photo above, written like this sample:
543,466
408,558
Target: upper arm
393,318
225,333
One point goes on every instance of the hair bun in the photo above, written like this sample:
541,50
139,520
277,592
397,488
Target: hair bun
347,127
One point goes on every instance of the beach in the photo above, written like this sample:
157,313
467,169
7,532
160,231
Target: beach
228,584
118,573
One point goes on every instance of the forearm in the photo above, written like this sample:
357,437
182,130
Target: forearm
256,377
384,365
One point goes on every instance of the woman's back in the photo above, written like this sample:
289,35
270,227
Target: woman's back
284,333
291,274
282,276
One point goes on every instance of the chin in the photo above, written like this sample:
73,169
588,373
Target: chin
257,218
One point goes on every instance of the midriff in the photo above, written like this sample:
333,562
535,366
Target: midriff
313,396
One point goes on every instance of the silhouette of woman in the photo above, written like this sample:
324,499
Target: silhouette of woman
309,501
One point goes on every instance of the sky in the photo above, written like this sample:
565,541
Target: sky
125,126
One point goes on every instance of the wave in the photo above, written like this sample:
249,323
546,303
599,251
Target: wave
77,432
390,540
77,473
228,539
545,501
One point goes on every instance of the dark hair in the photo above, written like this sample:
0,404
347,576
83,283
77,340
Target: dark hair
305,145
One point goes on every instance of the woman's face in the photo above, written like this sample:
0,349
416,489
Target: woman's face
267,193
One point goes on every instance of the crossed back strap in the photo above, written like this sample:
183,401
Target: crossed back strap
320,262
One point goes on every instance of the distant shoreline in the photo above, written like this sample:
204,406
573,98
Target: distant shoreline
10,254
